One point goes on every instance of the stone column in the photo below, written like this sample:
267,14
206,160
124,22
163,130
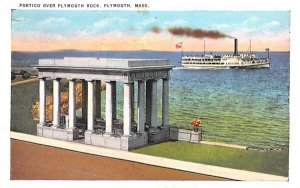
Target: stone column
148,101
84,101
154,105
132,101
91,107
141,107
109,117
42,101
56,103
98,98
72,106
127,109
114,100
165,102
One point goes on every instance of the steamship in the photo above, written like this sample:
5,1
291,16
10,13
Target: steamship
226,61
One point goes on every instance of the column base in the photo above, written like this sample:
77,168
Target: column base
57,133
154,130
165,127
126,142
129,142
126,136
107,134
39,130
43,124
54,126
157,135
141,133
88,136
115,121
73,134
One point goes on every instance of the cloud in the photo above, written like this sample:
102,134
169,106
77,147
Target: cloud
175,23
251,20
38,35
272,24
39,41
54,20
219,26
147,21
20,19
109,21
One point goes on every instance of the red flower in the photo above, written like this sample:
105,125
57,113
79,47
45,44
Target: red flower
196,123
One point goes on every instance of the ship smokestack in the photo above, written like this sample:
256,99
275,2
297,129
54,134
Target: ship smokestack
235,46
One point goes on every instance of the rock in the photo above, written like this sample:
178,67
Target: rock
64,101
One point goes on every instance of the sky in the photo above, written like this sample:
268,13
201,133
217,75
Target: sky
47,30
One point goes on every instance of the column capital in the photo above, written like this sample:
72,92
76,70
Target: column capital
168,78
43,78
54,78
71,79
141,81
109,81
128,82
89,80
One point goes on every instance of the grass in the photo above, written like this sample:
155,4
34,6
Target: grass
22,98
270,162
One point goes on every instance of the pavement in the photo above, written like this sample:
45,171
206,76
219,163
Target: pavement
224,145
34,79
45,160
38,162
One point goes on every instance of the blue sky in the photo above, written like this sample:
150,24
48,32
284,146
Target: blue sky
74,24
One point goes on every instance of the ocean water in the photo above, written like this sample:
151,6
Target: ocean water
239,106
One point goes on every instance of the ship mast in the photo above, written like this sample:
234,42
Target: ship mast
204,47
250,48
181,51
250,51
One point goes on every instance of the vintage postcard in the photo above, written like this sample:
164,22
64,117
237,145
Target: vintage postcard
125,91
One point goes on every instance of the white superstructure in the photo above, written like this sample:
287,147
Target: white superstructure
227,61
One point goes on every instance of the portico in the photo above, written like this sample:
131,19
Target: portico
109,131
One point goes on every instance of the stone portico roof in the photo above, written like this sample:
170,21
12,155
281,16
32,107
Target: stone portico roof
103,63
104,68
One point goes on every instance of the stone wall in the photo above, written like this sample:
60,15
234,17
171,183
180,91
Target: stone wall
185,135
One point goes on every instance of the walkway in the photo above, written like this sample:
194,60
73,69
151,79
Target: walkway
24,81
38,162
131,158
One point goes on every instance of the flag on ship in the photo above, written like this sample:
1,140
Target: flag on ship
179,45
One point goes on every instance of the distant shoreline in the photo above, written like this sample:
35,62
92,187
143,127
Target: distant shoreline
72,50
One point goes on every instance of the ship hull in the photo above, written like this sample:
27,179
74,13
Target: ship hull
244,66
